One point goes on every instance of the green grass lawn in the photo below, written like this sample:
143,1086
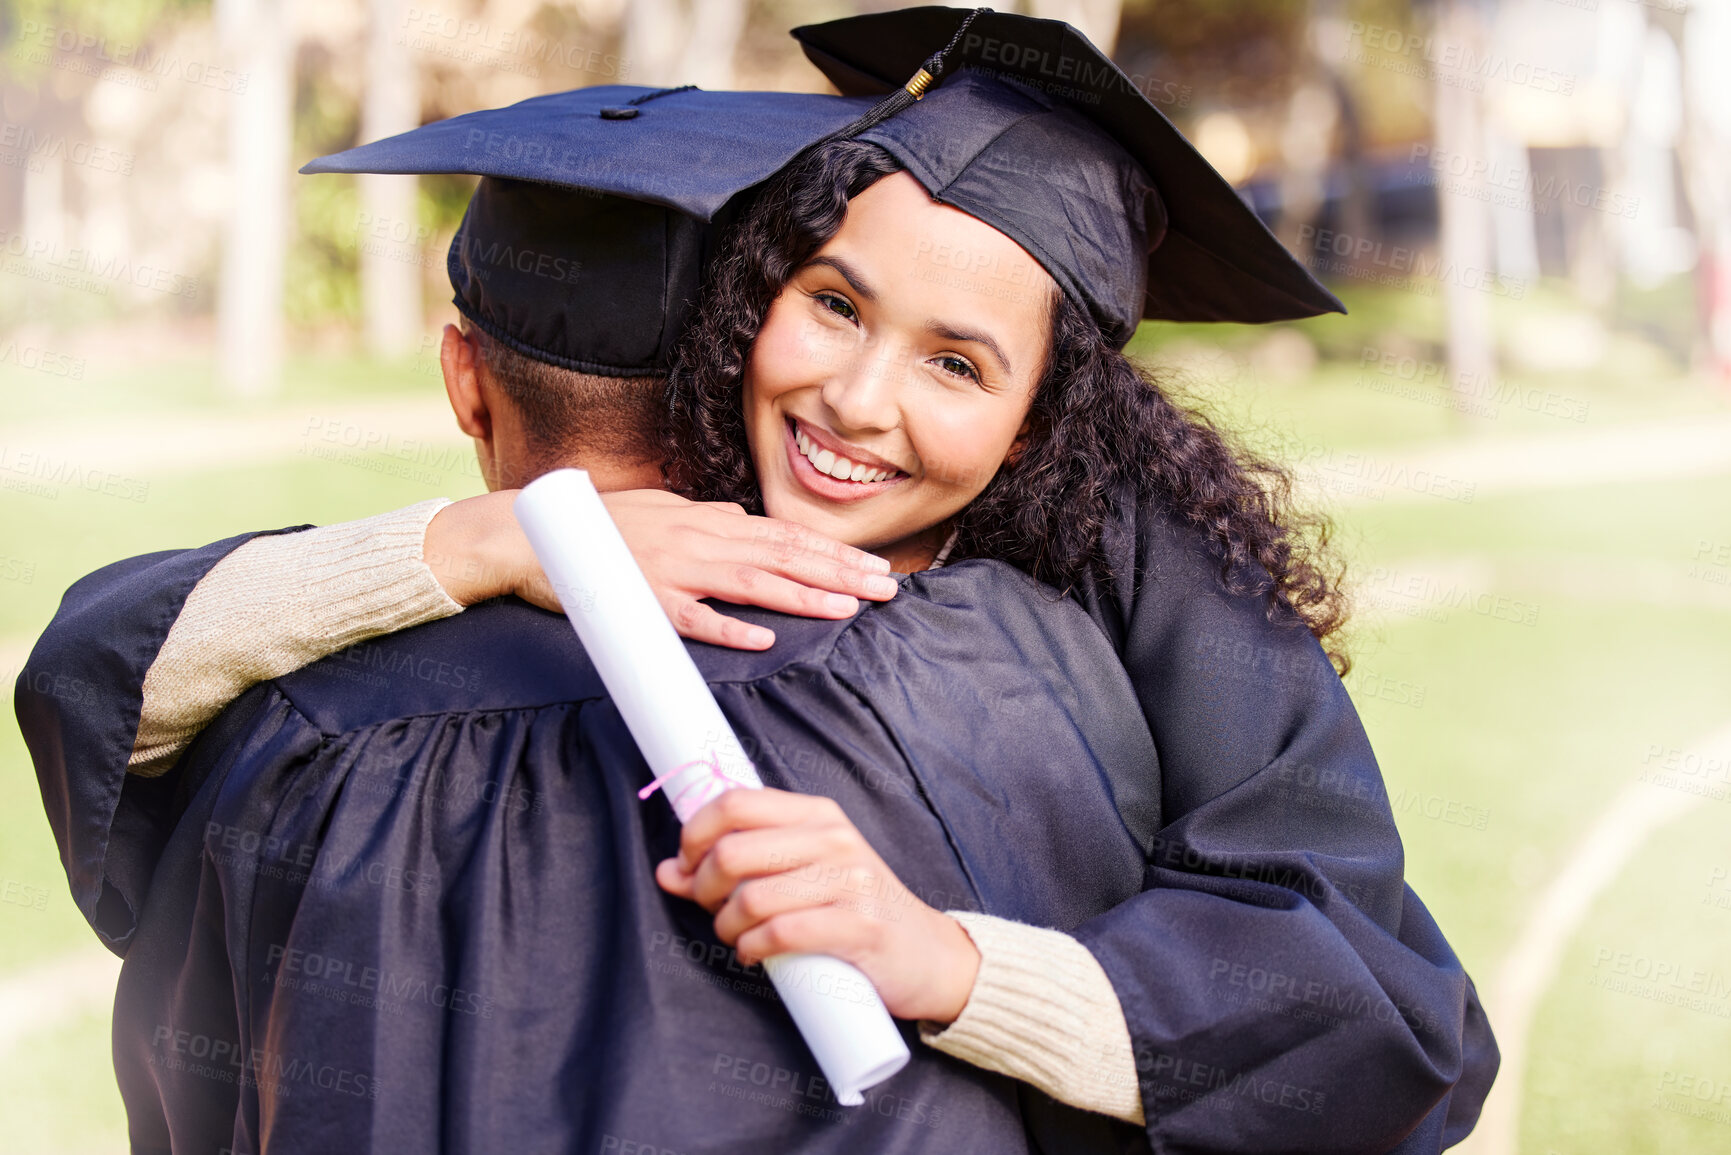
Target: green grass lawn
1536,726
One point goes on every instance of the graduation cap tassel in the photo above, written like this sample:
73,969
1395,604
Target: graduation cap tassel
929,74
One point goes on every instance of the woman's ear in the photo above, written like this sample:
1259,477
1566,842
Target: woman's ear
1020,444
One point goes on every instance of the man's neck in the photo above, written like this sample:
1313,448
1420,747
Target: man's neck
607,474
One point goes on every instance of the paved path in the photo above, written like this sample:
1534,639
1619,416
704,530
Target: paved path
1637,812
154,445
1652,451
54,993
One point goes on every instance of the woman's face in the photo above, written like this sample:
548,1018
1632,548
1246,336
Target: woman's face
894,373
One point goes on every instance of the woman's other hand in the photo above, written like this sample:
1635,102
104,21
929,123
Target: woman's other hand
688,550
789,872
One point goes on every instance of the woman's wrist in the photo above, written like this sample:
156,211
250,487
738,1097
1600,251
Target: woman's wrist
959,967
474,548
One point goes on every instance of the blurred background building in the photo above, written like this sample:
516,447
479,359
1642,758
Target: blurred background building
1522,430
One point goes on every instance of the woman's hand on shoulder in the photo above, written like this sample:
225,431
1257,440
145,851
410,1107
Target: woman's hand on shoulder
688,550
691,550
786,872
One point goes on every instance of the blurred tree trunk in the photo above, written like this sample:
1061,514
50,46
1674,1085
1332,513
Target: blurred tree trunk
390,269
654,37
255,33
710,44
1464,219
1706,160
1306,144
1097,19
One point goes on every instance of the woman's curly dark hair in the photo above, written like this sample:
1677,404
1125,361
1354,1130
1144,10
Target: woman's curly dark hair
1099,428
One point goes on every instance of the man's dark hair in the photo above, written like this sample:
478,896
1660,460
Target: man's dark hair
567,412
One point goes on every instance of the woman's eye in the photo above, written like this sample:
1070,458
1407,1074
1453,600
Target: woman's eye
958,366
840,306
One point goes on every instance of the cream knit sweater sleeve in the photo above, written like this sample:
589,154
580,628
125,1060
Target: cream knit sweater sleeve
1041,1009
276,604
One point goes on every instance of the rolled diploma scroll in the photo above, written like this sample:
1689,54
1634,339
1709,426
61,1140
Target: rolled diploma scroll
691,750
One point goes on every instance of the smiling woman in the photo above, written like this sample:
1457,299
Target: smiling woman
880,402
999,418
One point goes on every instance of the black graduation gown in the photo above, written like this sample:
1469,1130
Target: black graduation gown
1283,989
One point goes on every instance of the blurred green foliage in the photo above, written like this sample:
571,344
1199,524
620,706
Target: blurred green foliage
118,22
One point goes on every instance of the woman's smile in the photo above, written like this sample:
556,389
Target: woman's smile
834,470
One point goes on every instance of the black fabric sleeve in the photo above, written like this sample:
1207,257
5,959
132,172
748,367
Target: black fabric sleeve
78,701
1283,988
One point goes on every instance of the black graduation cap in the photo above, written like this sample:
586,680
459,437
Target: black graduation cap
584,241
1039,134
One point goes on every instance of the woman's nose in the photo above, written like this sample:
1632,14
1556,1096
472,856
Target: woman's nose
864,392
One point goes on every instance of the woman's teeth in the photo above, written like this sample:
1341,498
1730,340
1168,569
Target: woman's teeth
839,468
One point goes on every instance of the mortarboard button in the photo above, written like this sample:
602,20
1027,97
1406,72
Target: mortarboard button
583,247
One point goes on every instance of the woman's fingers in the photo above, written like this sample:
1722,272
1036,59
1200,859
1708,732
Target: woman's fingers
692,619
831,853
870,894
787,542
802,555
829,930
750,810
748,586
693,550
